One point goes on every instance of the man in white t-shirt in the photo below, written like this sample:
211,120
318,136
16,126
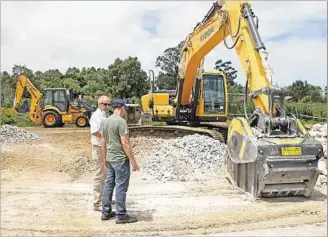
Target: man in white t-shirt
100,169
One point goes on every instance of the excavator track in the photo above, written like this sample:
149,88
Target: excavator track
174,131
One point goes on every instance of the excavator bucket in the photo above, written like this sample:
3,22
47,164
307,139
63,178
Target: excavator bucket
271,167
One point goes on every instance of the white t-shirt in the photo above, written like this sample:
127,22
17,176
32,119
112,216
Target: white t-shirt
95,121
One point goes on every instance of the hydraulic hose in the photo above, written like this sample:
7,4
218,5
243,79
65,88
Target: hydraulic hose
245,100
227,19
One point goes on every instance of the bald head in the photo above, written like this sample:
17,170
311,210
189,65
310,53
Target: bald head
103,102
103,99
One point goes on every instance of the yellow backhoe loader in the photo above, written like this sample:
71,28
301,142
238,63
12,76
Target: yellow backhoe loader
270,153
54,108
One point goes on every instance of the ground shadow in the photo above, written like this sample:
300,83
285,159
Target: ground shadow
142,215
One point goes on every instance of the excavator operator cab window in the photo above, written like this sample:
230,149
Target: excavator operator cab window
214,94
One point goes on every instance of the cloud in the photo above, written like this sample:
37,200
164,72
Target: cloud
44,35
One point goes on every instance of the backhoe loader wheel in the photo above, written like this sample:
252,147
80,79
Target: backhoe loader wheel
51,119
82,121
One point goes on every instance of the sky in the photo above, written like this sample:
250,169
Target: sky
47,35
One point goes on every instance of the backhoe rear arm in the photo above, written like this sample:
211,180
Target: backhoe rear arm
35,109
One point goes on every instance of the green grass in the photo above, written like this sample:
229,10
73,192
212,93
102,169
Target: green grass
11,117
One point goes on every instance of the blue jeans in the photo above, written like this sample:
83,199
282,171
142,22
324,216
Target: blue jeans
118,175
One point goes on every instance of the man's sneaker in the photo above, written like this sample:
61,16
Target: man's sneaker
123,219
105,218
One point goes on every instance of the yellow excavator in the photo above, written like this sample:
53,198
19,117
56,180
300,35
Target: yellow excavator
270,153
54,108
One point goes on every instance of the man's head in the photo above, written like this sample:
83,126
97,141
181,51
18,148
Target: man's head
103,103
119,106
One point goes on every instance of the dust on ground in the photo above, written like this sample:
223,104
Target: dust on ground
46,190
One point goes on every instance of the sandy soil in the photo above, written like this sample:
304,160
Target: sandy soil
46,190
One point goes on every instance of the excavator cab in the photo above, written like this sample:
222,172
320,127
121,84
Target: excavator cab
213,101
208,102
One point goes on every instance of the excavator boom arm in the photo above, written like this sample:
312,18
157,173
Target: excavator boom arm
233,18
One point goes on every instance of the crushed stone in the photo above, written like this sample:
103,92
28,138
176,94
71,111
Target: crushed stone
189,158
11,135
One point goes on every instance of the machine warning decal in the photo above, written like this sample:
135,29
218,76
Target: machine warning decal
291,151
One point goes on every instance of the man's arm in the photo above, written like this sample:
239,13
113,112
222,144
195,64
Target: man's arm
95,130
97,134
128,151
126,145
95,126
103,149
103,142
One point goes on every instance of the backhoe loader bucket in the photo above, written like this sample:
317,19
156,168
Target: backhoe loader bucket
23,108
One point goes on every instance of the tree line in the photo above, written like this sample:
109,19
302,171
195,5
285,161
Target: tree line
126,79
123,79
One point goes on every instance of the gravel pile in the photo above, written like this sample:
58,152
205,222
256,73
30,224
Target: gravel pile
12,134
192,157
319,132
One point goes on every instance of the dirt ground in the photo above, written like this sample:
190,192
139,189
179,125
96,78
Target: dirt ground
46,190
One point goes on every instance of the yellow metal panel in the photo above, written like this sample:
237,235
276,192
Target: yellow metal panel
67,118
161,98
50,107
300,125
200,107
145,103
235,126
241,126
246,126
163,110
286,141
